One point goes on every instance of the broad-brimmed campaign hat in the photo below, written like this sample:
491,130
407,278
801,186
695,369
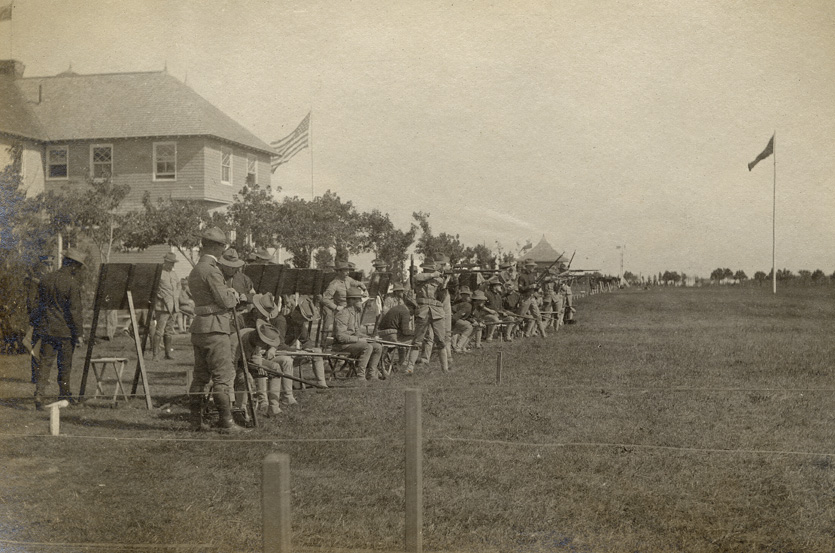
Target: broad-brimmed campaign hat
170,257
230,258
464,290
398,288
428,264
342,266
306,308
530,263
75,255
379,263
215,235
265,304
268,333
441,258
479,295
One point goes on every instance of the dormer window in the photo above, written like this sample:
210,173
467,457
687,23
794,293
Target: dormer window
57,164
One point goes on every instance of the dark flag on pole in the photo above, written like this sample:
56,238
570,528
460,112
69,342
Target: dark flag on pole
291,144
764,154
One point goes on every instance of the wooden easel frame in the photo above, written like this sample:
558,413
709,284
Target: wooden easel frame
140,349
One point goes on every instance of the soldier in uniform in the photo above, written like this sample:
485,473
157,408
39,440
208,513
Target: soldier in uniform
58,320
462,328
483,317
260,345
31,282
396,326
210,334
395,298
334,297
166,306
566,292
349,337
430,314
528,284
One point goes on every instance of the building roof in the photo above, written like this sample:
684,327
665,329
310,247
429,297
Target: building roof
543,252
16,118
126,105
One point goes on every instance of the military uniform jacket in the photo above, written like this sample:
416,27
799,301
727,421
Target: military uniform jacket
397,318
337,292
212,298
347,325
427,288
462,310
59,311
168,293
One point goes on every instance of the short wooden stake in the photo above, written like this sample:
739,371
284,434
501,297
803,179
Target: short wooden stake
499,367
55,416
275,503
414,472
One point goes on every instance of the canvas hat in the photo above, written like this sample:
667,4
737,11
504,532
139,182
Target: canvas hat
262,253
464,290
306,308
351,265
75,255
379,263
398,288
428,264
441,258
494,280
230,258
268,333
505,266
530,263
479,295
265,304
354,292
342,265
215,235
170,257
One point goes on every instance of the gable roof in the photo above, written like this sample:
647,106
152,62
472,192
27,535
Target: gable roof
127,105
543,252
16,118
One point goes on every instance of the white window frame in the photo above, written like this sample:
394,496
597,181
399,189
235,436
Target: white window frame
252,161
92,162
165,178
49,150
223,150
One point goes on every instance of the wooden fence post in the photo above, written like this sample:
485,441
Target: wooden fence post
499,361
275,503
414,472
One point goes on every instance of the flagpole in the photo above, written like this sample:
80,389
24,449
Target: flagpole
774,221
310,145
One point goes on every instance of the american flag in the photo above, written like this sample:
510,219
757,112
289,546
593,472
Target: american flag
291,144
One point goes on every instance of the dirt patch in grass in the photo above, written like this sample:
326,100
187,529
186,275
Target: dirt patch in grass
666,420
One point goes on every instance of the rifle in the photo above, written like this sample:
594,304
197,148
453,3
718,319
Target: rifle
250,397
391,343
539,281
275,373
504,312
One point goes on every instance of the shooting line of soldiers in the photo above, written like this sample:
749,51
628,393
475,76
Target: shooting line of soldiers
249,347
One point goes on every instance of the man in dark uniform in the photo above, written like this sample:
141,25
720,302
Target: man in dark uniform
210,334
32,281
58,321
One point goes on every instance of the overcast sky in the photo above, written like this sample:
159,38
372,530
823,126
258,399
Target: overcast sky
596,124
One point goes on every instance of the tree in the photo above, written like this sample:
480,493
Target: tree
760,276
430,245
480,255
378,234
297,229
717,275
740,276
784,274
173,222
251,214
818,276
805,275
629,277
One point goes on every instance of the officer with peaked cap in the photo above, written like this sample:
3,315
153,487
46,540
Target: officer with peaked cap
210,334
166,306
58,320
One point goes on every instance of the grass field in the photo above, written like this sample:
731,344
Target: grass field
698,420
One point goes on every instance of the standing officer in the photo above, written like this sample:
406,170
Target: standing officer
210,334
31,283
166,306
429,315
58,320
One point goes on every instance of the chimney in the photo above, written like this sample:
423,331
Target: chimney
12,68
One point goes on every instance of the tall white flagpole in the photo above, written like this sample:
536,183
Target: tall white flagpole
310,145
774,221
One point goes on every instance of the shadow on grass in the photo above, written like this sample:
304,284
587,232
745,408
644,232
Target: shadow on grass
71,419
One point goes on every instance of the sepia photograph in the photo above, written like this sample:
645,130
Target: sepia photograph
396,276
